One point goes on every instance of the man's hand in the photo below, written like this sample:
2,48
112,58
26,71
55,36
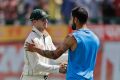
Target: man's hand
31,47
63,67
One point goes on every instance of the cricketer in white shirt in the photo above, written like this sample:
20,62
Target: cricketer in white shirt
37,67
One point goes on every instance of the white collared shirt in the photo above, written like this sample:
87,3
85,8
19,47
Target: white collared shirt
36,64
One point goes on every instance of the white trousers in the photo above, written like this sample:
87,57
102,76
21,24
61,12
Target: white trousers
33,78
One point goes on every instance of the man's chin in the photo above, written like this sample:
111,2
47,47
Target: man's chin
45,27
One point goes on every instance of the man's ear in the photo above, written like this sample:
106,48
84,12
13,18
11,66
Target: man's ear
34,21
75,19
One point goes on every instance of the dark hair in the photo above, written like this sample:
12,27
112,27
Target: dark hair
81,14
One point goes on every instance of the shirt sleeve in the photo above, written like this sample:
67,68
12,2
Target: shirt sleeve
43,67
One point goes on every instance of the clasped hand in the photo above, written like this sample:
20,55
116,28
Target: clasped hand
63,67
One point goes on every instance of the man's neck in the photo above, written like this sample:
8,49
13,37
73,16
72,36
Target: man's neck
81,27
43,31
40,29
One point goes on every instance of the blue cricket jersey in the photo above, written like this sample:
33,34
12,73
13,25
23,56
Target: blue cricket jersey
81,61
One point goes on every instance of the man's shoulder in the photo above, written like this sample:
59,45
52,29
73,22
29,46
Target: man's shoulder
70,37
30,36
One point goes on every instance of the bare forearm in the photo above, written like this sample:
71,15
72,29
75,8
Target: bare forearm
59,51
47,53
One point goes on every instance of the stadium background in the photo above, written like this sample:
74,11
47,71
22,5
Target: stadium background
104,20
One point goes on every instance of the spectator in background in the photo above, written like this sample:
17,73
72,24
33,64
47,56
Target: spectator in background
42,4
32,3
24,10
10,11
92,7
21,11
108,11
94,11
117,10
1,13
66,9
52,11
1,18
117,7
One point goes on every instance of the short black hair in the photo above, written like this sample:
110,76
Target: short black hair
81,14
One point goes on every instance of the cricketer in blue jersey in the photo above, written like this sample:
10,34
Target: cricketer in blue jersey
82,46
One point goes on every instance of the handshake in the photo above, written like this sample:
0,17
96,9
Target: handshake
63,67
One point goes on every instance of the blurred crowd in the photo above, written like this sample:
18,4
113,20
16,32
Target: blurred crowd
18,11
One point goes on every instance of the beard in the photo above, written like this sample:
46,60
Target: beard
73,26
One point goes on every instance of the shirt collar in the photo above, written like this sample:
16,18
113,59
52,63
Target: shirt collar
38,32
